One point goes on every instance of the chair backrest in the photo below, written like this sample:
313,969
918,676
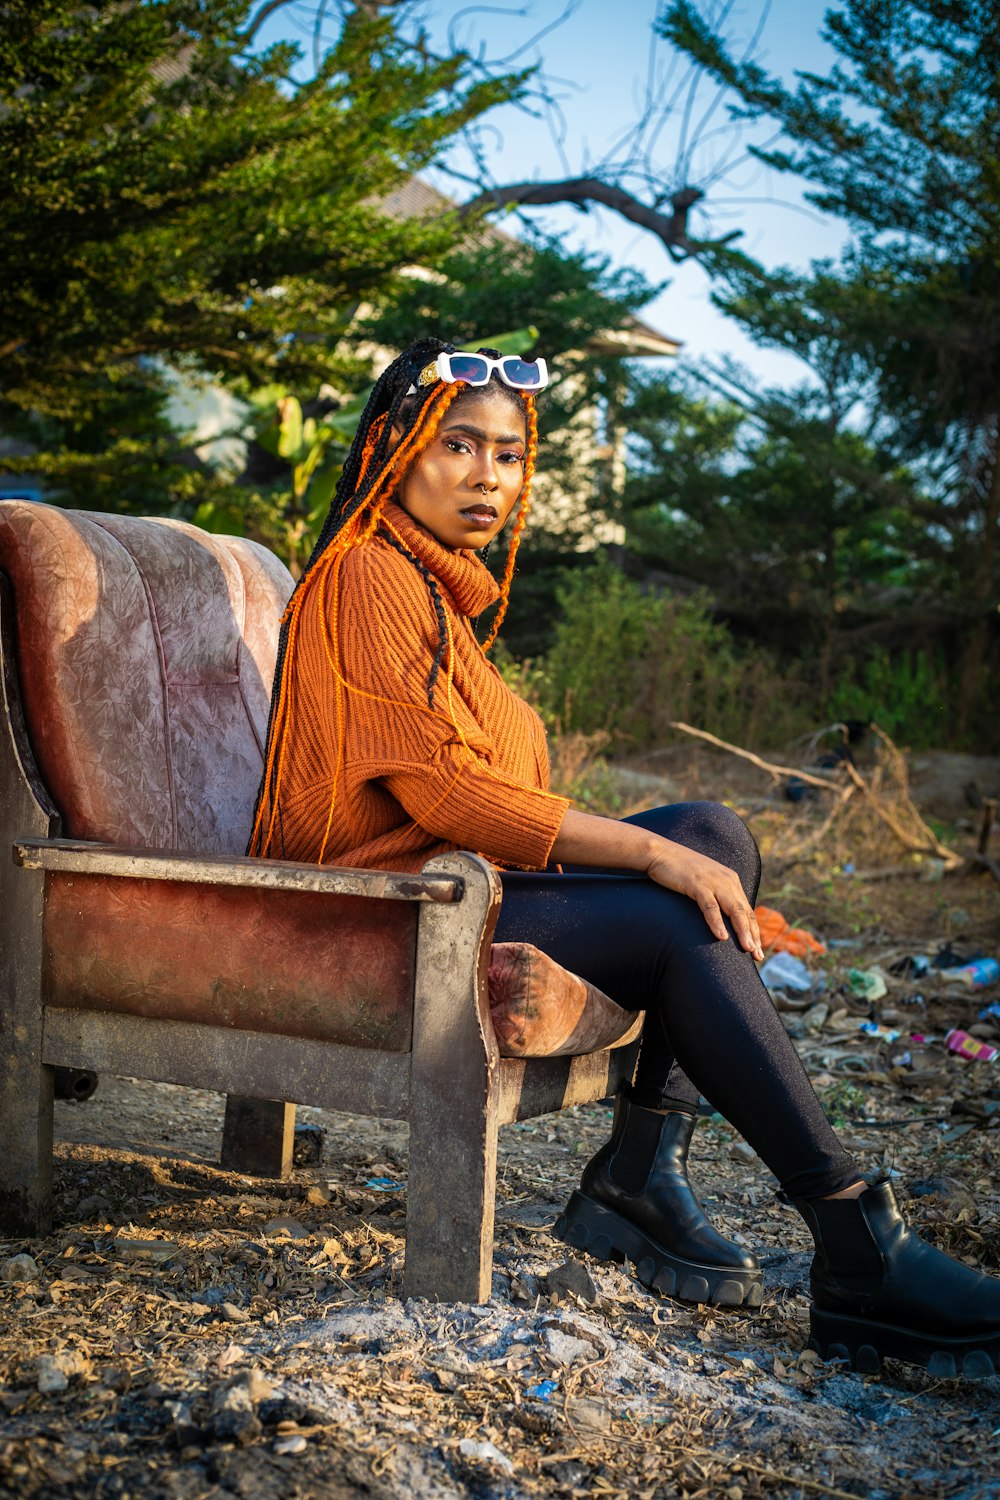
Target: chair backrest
145,650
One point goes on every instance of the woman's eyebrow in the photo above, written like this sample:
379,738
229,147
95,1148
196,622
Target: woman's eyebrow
484,437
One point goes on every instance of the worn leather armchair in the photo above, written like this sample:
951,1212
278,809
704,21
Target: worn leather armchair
136,939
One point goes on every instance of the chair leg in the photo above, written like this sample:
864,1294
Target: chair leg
257,1136
26,1159
450,1200
26,1085
454,1098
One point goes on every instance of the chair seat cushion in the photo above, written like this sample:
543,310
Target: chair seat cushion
540,1009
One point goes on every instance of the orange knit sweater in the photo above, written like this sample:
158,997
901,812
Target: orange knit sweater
371,776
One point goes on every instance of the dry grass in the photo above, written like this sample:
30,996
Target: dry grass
226,1337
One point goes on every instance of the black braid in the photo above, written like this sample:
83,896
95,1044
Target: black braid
436,600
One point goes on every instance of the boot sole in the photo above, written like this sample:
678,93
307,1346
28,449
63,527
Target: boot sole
601,1232
863,1344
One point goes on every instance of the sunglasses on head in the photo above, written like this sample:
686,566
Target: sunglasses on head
476,369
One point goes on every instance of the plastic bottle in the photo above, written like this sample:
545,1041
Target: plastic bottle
977,974
964,1045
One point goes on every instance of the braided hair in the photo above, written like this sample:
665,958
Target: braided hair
372,469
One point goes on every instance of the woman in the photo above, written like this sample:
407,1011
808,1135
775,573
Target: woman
393,739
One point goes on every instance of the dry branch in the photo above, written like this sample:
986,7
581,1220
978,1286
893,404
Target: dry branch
764,765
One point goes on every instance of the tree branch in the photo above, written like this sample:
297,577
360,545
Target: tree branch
257,20
671,229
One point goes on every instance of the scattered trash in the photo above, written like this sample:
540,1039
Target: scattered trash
486,1453
867,984
947,958
783,971
384,1185
780,937
879,1033
76,1084
977,974
964,1045
990,1012
543,1389
911,966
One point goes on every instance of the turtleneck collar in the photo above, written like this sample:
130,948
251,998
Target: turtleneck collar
468,581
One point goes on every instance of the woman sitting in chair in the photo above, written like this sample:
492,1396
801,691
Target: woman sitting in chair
393,739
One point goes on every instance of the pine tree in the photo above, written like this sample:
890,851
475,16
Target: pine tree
171,202
901,138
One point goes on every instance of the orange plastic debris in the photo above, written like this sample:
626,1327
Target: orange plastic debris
779,937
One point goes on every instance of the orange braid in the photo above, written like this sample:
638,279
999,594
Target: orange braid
374,433
356,531
519,524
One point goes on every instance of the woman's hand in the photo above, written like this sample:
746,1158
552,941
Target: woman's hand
715,888
585,839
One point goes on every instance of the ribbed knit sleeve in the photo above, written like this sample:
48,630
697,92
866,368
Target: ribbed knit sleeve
468,769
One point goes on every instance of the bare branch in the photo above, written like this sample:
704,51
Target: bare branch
671,229
258,19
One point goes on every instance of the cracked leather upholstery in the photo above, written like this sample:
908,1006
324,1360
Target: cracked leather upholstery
146,650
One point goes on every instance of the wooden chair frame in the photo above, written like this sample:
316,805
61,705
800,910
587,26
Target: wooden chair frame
452,1086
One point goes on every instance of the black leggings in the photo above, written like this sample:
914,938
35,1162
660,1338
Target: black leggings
710,1024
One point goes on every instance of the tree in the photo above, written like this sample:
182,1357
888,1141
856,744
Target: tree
171,202
799,525
901,139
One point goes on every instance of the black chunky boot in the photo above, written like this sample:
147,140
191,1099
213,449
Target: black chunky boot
879,1289
635,1203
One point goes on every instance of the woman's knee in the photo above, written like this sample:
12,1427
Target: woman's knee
712,829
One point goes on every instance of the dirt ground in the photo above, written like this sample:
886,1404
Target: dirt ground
190,1334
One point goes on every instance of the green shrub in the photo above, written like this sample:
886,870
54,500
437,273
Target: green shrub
911,696
626,662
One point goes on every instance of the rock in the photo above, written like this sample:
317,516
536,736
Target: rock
19,1268
589,1412
574,1278
185,1428
234,1314
290,1445
564,1349
254,1382
234,1418
55,1371
50,1377
741,1151
285,1224
485,1453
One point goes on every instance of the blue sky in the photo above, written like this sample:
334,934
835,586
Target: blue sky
599,57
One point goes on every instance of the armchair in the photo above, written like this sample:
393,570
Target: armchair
135,938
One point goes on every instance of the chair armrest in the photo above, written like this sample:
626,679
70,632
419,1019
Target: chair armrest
67,856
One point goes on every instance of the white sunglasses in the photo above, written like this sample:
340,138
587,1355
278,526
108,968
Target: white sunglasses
476,369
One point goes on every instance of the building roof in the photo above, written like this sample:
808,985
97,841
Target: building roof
417,199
